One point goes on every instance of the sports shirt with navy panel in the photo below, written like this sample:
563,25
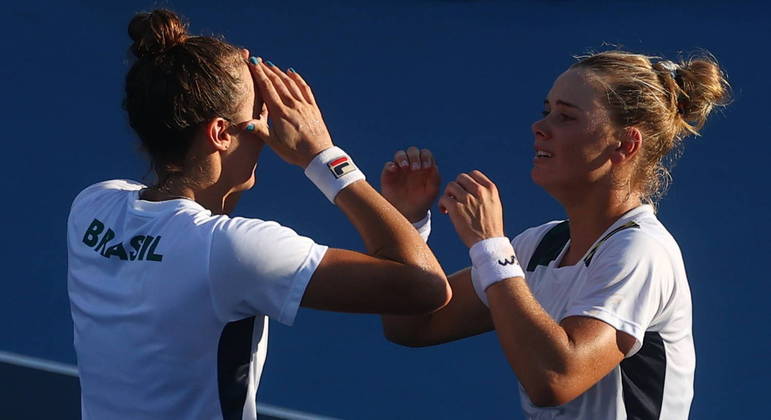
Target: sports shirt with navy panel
633,278
170,303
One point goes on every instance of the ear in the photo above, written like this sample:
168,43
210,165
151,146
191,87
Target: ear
216,131
628,145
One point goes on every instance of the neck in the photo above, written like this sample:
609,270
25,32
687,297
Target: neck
213,196
592,215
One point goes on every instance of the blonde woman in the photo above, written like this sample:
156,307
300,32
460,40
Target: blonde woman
593,313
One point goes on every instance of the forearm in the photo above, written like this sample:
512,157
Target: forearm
463,316
386,233
539,350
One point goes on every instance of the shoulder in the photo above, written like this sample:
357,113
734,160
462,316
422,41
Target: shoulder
106,187
555,232
646,240
236,226
536,233
249,235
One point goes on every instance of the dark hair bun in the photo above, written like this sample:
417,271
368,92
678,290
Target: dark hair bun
155,32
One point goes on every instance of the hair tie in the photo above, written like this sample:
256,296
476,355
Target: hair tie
677,76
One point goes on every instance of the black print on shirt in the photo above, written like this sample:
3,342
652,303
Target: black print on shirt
141,247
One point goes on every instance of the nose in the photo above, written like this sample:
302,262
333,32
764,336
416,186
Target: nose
539,129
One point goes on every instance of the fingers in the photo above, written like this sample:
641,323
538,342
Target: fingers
265,85
469,184
443,203
427,158
263,115
257,127
413,154
400,157
289,83
482,179
467,188
277,91
304,88
414,158
476,183
390,167
455,191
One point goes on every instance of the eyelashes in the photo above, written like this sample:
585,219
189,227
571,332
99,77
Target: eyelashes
562,117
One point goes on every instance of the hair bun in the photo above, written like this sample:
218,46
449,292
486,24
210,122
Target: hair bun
155,32
705,86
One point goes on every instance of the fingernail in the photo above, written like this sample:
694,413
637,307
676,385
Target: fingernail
403,163
291,70
254,60
415,166
250,127
270,64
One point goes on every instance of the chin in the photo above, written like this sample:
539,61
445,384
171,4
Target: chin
548,181
538,177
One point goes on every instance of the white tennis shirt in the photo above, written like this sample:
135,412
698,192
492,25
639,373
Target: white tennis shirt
170,303
633,279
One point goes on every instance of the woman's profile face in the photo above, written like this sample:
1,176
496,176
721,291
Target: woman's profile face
574,139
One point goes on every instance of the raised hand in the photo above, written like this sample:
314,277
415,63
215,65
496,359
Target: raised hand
473,204
297,131
411,182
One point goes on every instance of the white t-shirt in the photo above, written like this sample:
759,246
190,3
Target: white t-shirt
635,281
170,303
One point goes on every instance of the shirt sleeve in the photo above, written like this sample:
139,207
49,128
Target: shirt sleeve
624,285
259,267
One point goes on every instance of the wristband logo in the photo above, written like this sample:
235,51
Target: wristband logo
341,166
511,261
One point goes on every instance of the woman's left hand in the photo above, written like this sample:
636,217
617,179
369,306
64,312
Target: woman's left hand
473,204
411,182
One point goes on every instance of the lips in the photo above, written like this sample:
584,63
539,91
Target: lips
540,153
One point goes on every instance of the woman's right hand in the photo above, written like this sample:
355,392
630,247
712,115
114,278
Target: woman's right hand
411,182
297,132
474,206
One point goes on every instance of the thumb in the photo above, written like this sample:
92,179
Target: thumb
258,128
263,115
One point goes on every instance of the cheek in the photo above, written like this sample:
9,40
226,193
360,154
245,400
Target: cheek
243,158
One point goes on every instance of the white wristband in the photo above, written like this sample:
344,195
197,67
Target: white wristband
331,171
476,283
423,226
492,260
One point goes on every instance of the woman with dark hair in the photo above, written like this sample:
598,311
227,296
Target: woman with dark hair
169,295
596,323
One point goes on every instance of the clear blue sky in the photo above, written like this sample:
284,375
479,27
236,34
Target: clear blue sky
464,78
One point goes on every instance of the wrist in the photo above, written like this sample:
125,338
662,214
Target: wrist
331,171
423,226
417,217
312,153
493,260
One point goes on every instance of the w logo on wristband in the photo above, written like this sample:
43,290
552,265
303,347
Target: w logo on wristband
341,166
511,261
